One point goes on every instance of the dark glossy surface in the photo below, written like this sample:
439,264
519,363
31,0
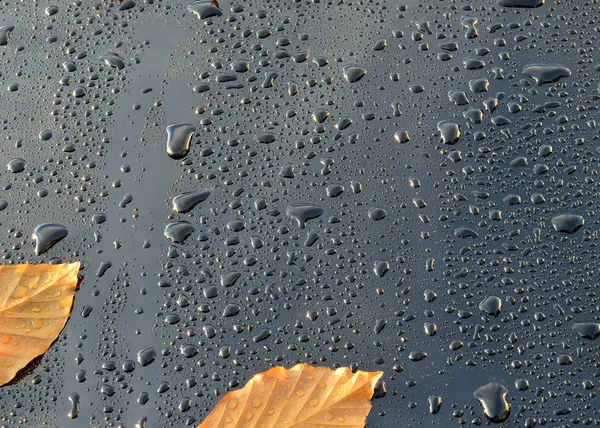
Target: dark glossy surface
381,176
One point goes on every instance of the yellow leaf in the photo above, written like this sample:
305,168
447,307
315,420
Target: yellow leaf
35,302
301,397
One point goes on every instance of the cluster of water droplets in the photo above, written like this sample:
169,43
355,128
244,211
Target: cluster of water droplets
400,187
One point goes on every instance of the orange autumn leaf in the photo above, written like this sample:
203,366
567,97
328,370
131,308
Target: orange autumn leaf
301,397
35,302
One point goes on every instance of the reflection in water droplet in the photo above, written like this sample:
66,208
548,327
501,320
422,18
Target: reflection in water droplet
5,34
48,234
45,135
353,73
51,10
492,397
435,404
265,138
491,305
179,231
567,223
417,355
377,214
79,92
588,330
402,137
449,131
458,97
303,212
179,139
75,405
544,73
465,232
334,190
16,165
521,3
113,60
146,356
204,9
185,202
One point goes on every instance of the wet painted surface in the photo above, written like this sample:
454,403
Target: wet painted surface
406,187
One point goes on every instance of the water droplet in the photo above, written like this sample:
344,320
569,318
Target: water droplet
492,397
303,213
544,73
185,202
179,139
5,34
179,231
567,223
16,165
75,405
417,355
146,356
113,60
48,234
377,214
588,330
491,305
204,9
353,73
521,3
435,404
449,131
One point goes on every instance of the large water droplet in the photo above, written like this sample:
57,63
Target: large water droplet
204,9
588,330
185,202
48,234
113,60
567,223
449,131
178,231
179,139
353,73
303,212
146,356
544,73
521,3
492,397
